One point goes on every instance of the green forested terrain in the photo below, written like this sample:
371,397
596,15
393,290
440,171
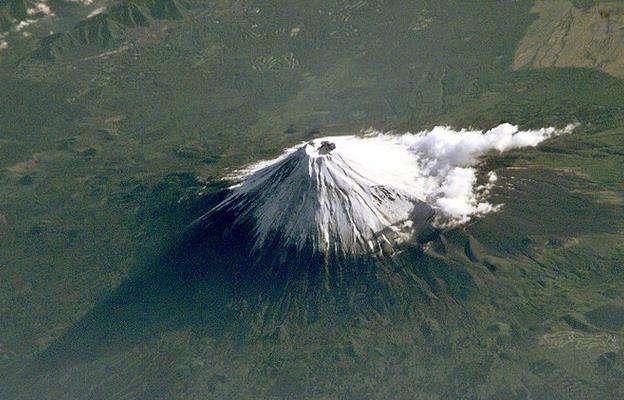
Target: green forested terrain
111,125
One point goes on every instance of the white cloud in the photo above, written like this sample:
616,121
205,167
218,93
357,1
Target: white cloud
447,162
3,45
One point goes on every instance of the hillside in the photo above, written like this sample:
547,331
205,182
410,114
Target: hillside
565,35
108,27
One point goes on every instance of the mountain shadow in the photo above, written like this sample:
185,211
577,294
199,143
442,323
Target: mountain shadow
212,282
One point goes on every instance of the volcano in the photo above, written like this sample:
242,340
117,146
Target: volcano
363,195
331,196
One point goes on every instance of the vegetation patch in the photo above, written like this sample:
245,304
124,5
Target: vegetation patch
609,316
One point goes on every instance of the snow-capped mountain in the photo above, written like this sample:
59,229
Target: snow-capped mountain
326,195
355,195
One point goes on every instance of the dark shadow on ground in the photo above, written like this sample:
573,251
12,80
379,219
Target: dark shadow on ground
209,282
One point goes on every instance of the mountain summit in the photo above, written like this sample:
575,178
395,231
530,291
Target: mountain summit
330,196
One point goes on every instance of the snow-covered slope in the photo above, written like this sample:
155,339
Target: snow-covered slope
340,200
366,194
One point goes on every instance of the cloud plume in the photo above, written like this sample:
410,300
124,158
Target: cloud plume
447,160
